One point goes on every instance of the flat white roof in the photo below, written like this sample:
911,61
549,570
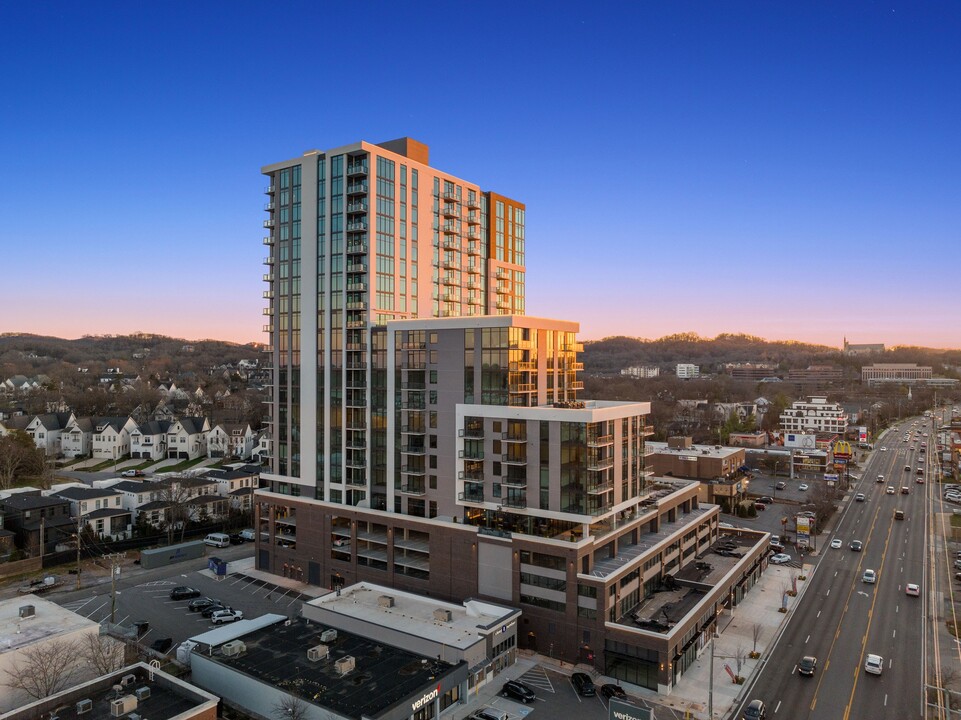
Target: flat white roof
414,614
49,621
231,631
698,450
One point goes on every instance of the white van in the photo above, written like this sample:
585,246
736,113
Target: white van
220,540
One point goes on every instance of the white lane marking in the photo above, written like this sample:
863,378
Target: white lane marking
777,707
806,639
819,613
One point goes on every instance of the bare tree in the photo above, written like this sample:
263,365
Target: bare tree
755,635
176,495
290,708
740,656
43,669
103,653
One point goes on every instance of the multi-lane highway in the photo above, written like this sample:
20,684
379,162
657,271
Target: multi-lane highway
841,619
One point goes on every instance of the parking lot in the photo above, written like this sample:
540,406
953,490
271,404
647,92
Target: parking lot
149,601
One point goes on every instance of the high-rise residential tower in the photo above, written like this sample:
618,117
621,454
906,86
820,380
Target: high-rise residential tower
361,235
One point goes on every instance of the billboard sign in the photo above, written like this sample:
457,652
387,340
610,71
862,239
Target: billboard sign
862,434
803,525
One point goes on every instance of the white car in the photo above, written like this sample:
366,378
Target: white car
870,577
883,449
226,616
802,486
912,589
890,490
874,664
836,543
780,559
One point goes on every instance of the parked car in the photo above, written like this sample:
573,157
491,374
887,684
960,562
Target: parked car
211,609
802,486
874,664
248,534
237,539
132,473
808,665
583,684
610,690
780,485
226,616
182,592
780,559
766,499
760,506
518,691
490,713
755,710
162,645
201,603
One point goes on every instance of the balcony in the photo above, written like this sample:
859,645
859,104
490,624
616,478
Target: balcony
268,311
450,210
503,289
647,430
357,268
600,464
356,287
413,429
356,463
575,385
269,240
270,189
356,169
413,450
356,364
357,188
472,432
473,218
269,223
452,244
509,459
473,234
413,365
473,248
600,440
523,366
268,294
450,265
269,260
449,227
471,454
476,496
414,385
511,438
269,207
357,207
356,324
518,500
357,305
356,482
471,475
418,404
267,329
472,270
473,201
503,305
524,387
514,482
357,248
357,346
600,488
413,489
575,366
357,226
451,196
413,470
450,279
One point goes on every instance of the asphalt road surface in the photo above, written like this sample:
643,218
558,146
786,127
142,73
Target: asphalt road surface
842,619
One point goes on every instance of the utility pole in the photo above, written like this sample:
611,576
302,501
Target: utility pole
79,526
115,559
710,692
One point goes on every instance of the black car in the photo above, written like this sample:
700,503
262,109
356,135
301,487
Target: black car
583,684
236,539
162,645
518,691
200,603
766,499
856,545
610,690
755,710
182,592
808,665
211,609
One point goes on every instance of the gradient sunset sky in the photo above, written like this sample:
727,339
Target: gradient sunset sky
787,170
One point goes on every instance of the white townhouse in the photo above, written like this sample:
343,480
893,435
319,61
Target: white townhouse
231,440
111,437
262,447
46,430
814,415
187,438
100,508
134,494
149,440
76,440
237,485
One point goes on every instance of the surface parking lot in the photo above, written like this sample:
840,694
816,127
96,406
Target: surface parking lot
150,602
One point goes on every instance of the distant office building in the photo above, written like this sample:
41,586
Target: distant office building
904,373
815,375
641,371
866,349
687,371
814,415
750,371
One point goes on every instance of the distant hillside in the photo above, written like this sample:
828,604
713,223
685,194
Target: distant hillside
612,354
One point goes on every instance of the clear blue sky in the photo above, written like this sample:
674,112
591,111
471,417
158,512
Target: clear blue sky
789,170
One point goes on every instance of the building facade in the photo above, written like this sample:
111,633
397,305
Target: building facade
687,371
906,373
815,414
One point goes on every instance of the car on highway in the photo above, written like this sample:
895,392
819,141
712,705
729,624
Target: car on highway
780,559
780,485
880,479
755,710
889,490
859,497
226,616
883,449
182,592
919,480
610,690
583,684
836,543
905,490
912,589
907,468
807,666
201,603
802,486
856,545
518,691
874,664
870,577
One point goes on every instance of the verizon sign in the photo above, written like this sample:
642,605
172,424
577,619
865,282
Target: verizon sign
620,710
426,698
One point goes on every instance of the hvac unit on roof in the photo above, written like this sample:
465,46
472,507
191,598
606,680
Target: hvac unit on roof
27,611
328,636
84,706
318,652
234,647
345,664
142,693
385,601
128,679
442,615
122,706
